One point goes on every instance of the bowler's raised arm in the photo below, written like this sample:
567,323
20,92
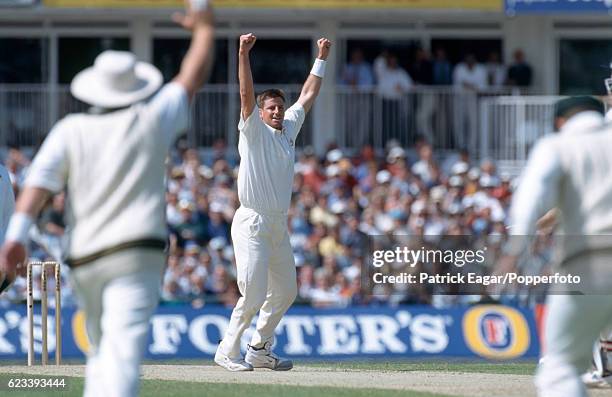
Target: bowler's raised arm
311,88
247,91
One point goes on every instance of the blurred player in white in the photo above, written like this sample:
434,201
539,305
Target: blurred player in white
7,207
265,265
571,171
601,375
112,163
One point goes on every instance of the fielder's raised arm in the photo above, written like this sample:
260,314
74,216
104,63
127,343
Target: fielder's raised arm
312,86
198,61
247,91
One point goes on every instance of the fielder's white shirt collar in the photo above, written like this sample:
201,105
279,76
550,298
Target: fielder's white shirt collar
582,122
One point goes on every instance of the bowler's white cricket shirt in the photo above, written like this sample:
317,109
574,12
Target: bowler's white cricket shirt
267,159
7,195
114,166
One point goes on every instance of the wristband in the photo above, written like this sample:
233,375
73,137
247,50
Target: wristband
198,5
318,69
19,228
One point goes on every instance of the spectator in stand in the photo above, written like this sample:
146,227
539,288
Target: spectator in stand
469,77
396,160
496,71
171,290
442,71
395,82
220,152
487,168
330,245
324,294
351,237
422,72
217,226
393,87
442,75
358,75
451,161
426,167
308,166
191,167
190,226
221,280
422,68
17,163
222,193
230,296
380,65
305,281
173,214
519,73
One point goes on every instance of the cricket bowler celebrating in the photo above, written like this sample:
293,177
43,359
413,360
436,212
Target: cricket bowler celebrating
265,265
112,163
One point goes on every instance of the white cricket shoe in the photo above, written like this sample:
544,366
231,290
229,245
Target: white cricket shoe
594,379
264,358
236,365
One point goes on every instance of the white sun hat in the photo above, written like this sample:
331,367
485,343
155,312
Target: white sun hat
383,176
335,155
116,80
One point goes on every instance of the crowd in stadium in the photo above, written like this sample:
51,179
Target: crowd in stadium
343,206
392,79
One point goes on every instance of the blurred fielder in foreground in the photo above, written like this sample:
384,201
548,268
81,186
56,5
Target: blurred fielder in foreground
112,163
7,207
601,374
571,171
265,265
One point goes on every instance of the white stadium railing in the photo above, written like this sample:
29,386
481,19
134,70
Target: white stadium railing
489,124
28,112
510,125
445,116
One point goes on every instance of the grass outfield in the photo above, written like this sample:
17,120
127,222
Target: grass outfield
453,365
513,368
159,388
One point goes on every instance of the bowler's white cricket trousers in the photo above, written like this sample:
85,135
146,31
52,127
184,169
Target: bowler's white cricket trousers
118,293
265,273
573,323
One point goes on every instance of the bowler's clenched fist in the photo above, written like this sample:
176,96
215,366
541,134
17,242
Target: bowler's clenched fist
324,46
196,12
247,41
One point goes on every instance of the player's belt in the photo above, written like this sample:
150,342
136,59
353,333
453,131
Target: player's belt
143,243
